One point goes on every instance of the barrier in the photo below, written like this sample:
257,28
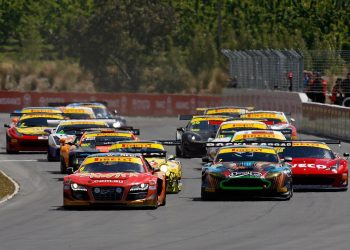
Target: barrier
133,104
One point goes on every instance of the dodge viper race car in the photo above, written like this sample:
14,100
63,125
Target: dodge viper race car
315,166
155,154
276,120
28,133
194,135
73,153
115,179
246,171
68,129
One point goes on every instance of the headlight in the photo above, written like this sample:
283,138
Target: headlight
193,138
76,187
164,168
273,175
141,187
335,167
116,124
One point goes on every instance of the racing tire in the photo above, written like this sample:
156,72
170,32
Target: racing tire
49,158
205,196
164,201
8,150
178,152
346,102
63,168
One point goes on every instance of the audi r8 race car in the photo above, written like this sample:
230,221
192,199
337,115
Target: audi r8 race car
68,129
28,133
115,179
196,133
276,120
316,166
246,171
155,154
72,154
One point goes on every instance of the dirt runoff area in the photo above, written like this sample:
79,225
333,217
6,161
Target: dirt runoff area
6,186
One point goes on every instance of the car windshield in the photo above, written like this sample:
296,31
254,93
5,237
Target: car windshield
78,116
307,152
72,129
100,112
204,126
102,140
112,167
246,156
35,122
271,121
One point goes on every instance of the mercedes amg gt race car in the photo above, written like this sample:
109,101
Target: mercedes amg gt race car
193,137
155,154
115,179
28,133
276,120
73,153
241,171
68,129
316,166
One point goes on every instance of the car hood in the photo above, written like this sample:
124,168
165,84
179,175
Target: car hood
96,179
32,130
313,166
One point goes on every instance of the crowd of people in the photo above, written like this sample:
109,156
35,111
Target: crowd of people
341,91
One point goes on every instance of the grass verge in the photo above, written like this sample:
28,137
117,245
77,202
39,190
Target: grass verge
6,186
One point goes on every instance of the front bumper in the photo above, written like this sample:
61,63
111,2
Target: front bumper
27,143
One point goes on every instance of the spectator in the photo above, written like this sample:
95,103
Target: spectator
337,95
232,82
317,88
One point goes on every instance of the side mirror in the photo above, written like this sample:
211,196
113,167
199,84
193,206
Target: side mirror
181,129
156,170
47,130
346,154
171,157
210,139
292,119
70,170
6,125
206,159
288,159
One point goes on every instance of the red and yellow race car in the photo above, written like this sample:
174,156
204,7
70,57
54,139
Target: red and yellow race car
115,179
28,133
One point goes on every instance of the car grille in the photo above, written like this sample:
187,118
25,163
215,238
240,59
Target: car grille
80,195
107,193
245,183
38,143
137,195
313,180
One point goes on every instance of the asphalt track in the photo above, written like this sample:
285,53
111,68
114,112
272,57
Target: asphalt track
34,218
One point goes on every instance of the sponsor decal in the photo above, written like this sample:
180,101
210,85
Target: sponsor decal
108,181
311,165
310,144
135,160
138,145
10,101
250,150
217,111
109,175
244,125
248,173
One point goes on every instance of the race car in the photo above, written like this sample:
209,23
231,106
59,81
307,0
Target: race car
316,166
15,115
155,154
114,179
28,133
258,136
68,129
196,133
276,120
73,153
242,171
101,112
78,113
232,111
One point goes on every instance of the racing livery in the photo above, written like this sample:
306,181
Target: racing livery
115,179
67,129
316,166
196,133
72,154
28,133
78,113
246,170
276,120
155,154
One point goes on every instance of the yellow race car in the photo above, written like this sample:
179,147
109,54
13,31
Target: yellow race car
155,155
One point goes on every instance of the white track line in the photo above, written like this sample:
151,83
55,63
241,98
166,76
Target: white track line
8,197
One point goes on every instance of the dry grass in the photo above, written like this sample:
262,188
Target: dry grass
43,76
6,186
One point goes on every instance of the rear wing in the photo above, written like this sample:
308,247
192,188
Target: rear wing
281,144
169,142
